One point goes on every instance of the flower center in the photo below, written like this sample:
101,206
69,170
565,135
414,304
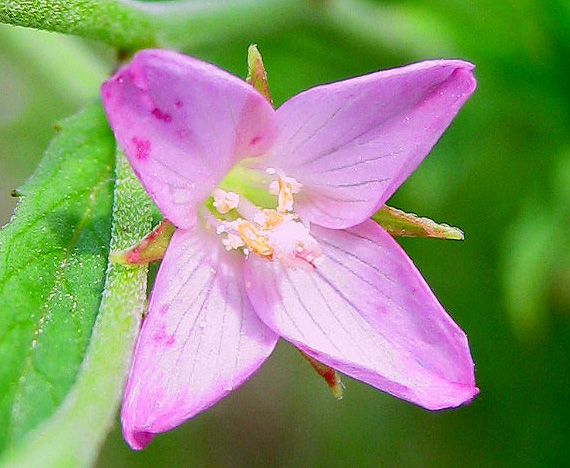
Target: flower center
274,234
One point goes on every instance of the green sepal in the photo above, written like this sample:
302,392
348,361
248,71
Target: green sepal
150,249
400,223
329,375
256,75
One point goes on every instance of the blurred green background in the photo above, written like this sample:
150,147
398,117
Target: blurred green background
501,173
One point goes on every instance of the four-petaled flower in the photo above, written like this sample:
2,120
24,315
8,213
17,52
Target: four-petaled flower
274,234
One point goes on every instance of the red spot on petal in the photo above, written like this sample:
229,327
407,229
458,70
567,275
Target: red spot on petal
142,148
166,118
160,336
255,140
179,104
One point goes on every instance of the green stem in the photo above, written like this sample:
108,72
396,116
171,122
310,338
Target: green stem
132,25
117,23
74,434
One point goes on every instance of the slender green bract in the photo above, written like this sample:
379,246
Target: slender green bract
399,223
68,320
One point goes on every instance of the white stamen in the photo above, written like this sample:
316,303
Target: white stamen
233,225
260,218
291,181
225,201
233,242
274,187
274,234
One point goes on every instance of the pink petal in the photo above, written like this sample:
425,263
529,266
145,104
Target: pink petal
200,340
351,144
183,124
366,311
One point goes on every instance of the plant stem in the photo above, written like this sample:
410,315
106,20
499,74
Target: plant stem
117,23
131,25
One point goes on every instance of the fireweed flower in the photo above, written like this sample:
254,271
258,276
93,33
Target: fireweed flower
274,234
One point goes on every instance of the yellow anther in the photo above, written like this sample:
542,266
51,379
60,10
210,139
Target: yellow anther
284,188
268,219
285,197
254,239
274,234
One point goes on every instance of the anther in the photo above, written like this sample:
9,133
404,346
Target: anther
284,188
225,201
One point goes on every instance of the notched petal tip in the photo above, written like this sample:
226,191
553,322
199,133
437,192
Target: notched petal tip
462,396
137,440
467,76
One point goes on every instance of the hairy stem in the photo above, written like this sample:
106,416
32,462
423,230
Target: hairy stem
132,25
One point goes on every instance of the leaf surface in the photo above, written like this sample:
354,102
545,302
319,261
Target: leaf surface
53,257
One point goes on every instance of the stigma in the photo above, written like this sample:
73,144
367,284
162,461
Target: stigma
273,234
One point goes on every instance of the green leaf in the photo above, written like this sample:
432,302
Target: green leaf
399,223
55,273
53,257
73,435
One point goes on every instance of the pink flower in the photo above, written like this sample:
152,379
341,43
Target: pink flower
283,245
